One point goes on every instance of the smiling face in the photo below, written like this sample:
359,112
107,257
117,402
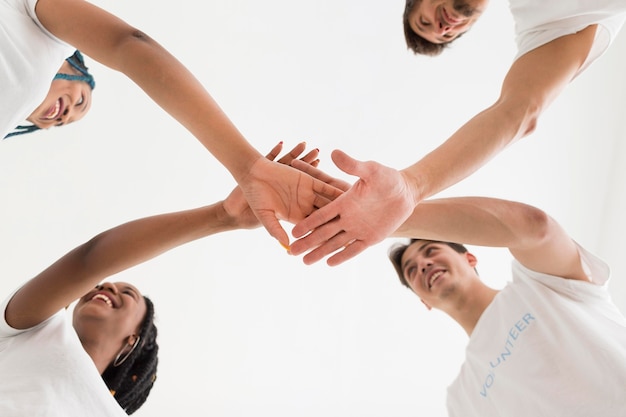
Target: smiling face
111,310
442,21
67,101
436,272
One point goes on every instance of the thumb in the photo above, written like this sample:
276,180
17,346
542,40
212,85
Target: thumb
346,163
272,225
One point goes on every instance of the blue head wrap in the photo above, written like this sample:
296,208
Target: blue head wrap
78,63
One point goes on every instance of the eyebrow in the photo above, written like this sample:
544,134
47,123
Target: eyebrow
420,249
85,102
421,29
132,289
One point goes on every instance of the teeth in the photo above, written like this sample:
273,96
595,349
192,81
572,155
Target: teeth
103,298
434,278
55,112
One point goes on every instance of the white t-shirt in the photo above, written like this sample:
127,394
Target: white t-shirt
45,372
538,22
546,347
30,57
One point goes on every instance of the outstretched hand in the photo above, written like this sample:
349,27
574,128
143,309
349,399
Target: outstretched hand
236,206
371,210
276,191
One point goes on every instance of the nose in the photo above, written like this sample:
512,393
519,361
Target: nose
65,117
443,28
109,286
424,265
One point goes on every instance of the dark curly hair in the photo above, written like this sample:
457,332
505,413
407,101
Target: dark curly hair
131,382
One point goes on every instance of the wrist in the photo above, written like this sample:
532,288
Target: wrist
224,218
414,184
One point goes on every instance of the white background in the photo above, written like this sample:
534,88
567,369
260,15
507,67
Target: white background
244,328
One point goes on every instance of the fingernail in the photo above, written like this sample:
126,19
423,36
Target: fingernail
286,247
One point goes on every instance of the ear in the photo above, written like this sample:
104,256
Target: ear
471,259
427,306
131,340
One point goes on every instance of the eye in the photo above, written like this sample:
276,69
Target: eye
81,101
130,292
409,273
424,22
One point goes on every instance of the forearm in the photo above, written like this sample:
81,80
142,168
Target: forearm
119,46
108,253
181,95
531,84
477,221
139,240
470,147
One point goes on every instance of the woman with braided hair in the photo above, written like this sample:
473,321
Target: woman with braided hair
72,84
38,35
55,365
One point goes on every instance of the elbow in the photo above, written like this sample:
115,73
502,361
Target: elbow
537,225
86,253
529,124
130,42
522,113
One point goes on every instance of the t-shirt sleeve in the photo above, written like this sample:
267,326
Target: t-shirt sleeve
6,331
596,269
30,8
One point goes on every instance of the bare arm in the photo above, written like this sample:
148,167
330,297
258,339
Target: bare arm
532,83
119,46
535,239
106,254
382,198
127,245
274,191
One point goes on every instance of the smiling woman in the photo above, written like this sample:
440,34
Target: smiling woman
31,58
38,38
101,360
68,100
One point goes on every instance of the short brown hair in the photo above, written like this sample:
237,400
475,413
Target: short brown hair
415,42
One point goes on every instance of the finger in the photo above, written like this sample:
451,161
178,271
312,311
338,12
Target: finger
349,252
326,190
275,151
315,163
270,222
320,175
310,170
319,202
293,154
317,237
337,242
347,164
315,220
310,157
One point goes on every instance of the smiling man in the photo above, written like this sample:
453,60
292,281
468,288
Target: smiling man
430,25
551,342
557,40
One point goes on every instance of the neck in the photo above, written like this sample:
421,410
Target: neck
467,309
101,352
